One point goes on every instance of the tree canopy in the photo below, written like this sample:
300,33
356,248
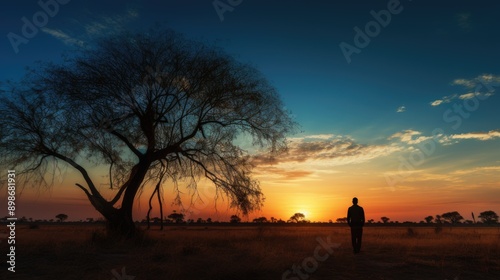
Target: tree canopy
152,107
176,217
234,219
489,217
61,217
297,217
452,217
384,219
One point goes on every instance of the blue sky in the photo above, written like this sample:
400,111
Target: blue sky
411,62
428,59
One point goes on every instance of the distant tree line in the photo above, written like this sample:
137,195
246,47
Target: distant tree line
454,217
179,218
486,217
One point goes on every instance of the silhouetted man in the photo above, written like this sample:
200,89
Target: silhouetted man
356,220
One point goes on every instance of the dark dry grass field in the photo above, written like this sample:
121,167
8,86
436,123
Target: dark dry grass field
256,252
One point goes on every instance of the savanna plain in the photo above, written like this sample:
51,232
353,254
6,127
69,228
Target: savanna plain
223,252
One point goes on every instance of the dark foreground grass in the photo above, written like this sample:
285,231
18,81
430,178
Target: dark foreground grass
265,252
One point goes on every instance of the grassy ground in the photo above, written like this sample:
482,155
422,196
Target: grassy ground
266,252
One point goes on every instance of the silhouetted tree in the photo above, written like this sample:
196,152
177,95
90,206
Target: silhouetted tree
260,220
234,219
385,220
176,217
429,219
342,220
488,217
371,221
452,217
273,220
209,220
297,217
438,219
61,217
152,108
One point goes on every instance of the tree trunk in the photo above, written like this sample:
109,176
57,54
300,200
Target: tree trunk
121,224
120,221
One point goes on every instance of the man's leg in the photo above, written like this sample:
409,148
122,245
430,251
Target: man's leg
353,239
359,235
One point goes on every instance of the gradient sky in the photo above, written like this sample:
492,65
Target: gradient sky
408,122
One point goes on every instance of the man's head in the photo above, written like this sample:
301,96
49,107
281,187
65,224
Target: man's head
355,201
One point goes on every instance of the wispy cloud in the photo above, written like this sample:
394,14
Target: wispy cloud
444,99
481,79
64,37
488,80
285,174
464,82
464,21
469,95
482,136
475,170
109,24
309,155
465,96
413,137
336,150
437,102
401,109
428,176
409,136
461,178
102,26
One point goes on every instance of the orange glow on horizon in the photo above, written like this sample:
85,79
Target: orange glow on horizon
319,198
